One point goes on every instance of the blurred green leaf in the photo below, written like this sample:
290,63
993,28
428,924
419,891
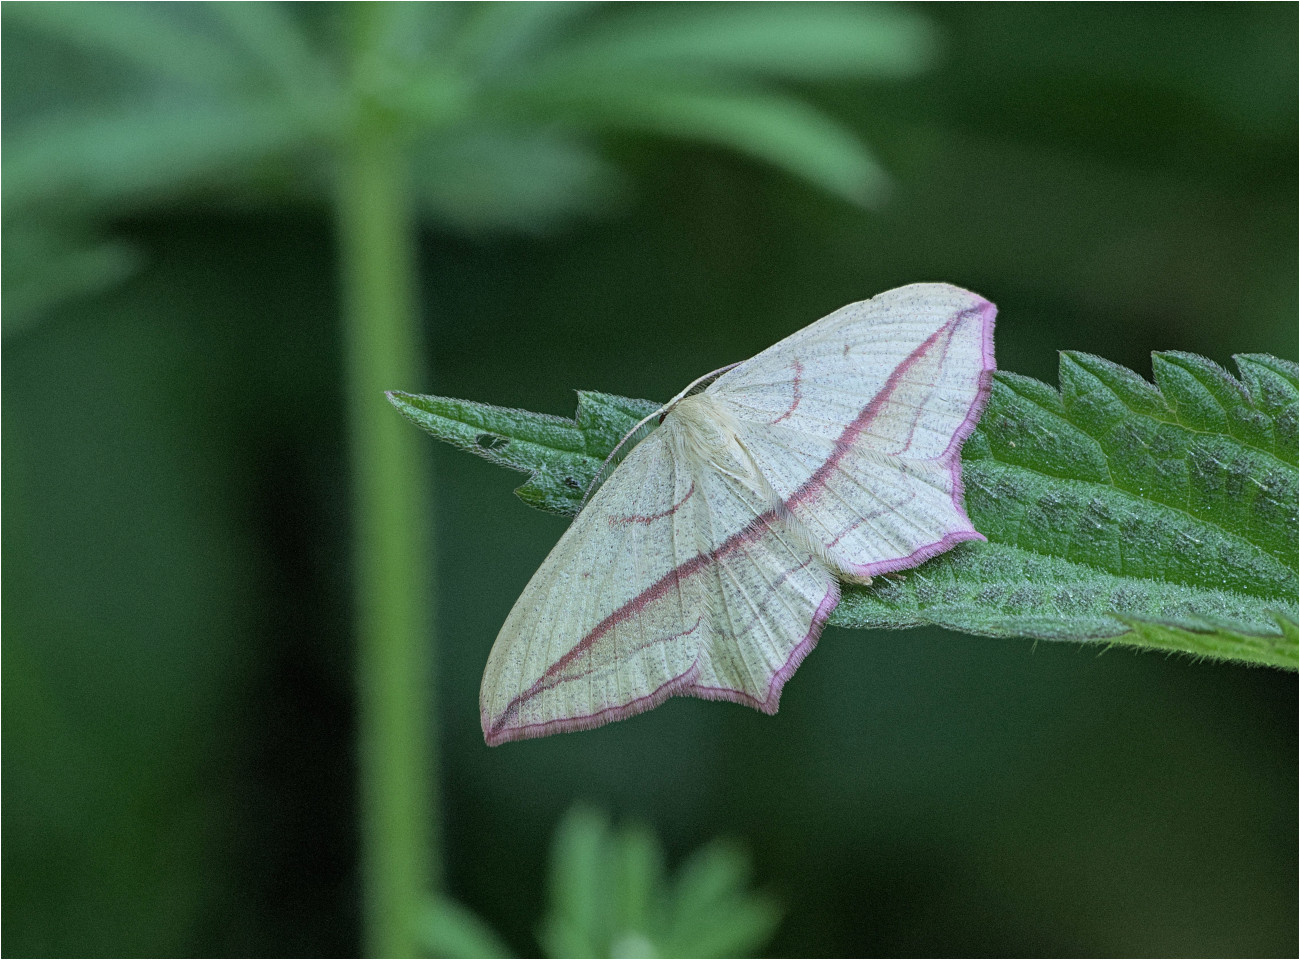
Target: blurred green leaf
490,97
273,38
779,130
173,40
1109,505
778,40
611,898
503,179
713,913
638,880
404,39
496,37
86,162
577,922
46,265
448,929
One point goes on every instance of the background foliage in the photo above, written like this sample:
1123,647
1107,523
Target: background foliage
179,754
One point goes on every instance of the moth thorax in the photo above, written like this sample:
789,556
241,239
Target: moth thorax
707,429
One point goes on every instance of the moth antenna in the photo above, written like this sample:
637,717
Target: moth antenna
703,383
613,460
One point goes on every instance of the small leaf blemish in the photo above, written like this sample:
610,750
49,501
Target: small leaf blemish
490,441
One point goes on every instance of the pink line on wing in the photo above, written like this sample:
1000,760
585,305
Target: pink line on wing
682,684
669,581
760,609
498,734
919,409
796,386
557,679
844,443
652,517
951,456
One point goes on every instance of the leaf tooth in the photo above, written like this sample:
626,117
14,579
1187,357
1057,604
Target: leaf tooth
435,413
1285,369
605,419
1026,425
1243,417
1035,391
1132,390
1272,386
1200,393
1099,395
560,455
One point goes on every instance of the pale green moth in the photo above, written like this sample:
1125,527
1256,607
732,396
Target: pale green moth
708,560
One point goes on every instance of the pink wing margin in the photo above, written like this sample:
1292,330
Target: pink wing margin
951,457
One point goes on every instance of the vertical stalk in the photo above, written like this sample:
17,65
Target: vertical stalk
394,581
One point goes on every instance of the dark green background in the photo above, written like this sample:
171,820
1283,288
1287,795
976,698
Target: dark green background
177,711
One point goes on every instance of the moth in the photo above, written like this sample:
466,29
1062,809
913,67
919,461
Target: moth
708,560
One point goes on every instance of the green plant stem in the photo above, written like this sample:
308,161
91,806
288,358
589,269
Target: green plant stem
392,485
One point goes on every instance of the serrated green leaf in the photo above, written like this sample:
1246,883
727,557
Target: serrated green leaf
1272,386
562,455
1218,642
999,590
1156,515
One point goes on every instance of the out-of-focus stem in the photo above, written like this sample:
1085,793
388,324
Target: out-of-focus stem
392,489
